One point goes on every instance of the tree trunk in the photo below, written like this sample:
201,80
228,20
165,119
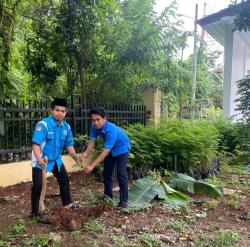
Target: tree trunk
82,81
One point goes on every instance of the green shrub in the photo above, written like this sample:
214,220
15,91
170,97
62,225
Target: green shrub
233,136
192,147
229,133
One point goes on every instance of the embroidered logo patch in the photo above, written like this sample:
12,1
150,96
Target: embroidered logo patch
39,128
65,132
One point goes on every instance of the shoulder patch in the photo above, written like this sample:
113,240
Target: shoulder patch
39,128
43,123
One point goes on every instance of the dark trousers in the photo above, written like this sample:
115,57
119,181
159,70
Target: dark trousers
121,161
62,179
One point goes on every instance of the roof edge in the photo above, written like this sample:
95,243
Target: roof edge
230,11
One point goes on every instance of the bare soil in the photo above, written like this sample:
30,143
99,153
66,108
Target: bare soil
111,226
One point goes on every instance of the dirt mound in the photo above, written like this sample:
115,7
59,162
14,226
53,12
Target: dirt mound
71,219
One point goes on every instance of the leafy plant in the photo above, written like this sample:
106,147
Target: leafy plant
143,191
173,145
160,224
244,96
179,225
149,240
3,243
19,227
234,201
90,196
189,184
210,204
41,240
76,234
248,216
225,239
119,240
94,226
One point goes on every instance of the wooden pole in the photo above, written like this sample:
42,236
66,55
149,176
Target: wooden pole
43,191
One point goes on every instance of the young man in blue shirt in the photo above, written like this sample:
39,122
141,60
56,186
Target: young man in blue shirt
50,137
116,151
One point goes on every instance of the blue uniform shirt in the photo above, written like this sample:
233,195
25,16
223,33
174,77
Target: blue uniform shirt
114,138
52,138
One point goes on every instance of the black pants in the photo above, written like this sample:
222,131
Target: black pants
62,179
121,161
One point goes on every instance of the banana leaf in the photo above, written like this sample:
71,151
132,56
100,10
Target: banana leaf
173,197
188,184
145,190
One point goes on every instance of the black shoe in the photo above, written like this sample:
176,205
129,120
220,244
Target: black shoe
40,217
122,205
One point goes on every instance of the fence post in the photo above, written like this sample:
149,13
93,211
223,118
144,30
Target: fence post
152,101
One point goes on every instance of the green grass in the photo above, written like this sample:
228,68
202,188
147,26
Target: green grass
95,226
179,225
90,196
210,204
234,201
149,240
223,239
232,169
37,240
248,216
119,240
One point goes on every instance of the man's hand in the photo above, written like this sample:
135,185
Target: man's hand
75,157
43,162
83,156
89,168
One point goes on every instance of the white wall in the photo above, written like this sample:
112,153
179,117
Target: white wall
234,70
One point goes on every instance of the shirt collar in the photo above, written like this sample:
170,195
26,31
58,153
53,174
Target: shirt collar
54,122
103,129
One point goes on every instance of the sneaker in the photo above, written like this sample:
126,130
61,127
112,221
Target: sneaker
122,205
73,206
103,198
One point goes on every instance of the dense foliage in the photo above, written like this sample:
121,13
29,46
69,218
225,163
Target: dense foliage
107,50
174,144
243,99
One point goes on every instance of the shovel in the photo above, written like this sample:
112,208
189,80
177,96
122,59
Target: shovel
43,191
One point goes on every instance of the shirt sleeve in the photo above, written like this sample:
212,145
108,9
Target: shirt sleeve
40,133
111,137
92,134
69,138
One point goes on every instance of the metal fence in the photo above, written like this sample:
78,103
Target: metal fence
18,119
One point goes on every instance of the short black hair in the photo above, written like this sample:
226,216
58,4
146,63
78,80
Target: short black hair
58,102
99,111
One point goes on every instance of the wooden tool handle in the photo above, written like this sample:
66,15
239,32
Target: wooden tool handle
43,191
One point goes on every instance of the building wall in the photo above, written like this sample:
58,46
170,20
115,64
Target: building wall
237,63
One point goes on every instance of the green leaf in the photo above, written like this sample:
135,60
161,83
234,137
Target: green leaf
143,191
183,176
173,197
188,184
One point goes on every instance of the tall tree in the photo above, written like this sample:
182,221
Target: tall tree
7,26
